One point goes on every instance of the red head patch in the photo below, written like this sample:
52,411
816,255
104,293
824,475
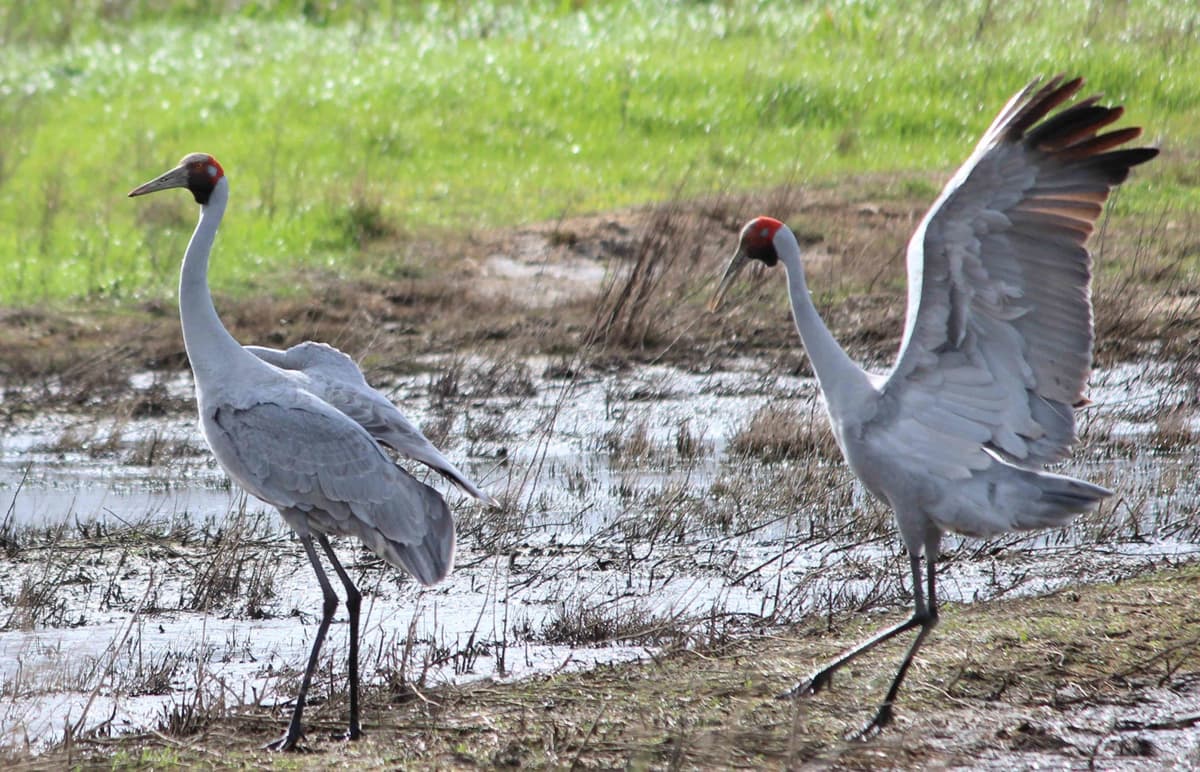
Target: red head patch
203,171
760,232
202,166
758,239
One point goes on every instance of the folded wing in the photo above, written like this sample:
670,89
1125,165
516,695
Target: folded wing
336,378
306,458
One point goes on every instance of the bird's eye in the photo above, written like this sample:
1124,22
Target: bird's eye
765,233
212,171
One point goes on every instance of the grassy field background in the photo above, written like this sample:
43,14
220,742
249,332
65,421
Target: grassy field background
346,126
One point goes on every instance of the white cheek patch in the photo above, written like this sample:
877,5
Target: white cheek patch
212,171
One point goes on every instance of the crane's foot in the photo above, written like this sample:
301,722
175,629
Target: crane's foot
285,743
883,718
813,684
290,740
350,735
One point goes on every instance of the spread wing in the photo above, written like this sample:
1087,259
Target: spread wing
334,377
303,456
998,340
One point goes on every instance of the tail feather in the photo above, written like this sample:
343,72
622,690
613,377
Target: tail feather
1059,500
409,442
429,560
1006,497
452,474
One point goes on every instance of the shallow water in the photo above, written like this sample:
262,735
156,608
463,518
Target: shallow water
593,536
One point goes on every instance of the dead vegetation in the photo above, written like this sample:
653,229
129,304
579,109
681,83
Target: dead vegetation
778,432
236,568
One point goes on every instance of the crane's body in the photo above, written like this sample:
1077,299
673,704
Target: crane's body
282,434
933,480
996,350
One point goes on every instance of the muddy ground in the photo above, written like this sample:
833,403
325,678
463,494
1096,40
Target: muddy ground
1098,677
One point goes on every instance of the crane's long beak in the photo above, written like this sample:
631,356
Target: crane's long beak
176,178
735,266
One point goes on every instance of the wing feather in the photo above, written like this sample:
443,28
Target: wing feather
334,377
303,456
998,340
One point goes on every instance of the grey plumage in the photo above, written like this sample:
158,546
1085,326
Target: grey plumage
997,343
303,435
334,377
333,482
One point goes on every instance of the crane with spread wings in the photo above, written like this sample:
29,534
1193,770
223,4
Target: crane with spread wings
997,344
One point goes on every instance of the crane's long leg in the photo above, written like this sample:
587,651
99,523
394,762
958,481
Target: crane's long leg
353,603
928,621
924,616
294,730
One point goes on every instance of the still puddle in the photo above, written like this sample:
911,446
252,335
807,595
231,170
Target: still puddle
624,514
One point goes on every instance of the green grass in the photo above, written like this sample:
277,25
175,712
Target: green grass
337,127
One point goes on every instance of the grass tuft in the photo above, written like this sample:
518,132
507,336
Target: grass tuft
777,433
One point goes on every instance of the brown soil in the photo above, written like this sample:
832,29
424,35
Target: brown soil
624,286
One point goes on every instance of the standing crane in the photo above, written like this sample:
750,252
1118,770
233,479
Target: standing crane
301,430
996,351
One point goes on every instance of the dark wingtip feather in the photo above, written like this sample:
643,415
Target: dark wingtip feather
1068,127
1071,136
1099,144
1115,166
1049,96
1141,155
